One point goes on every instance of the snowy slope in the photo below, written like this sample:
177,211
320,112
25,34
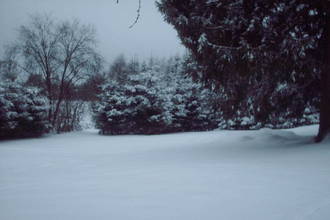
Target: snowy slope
229,175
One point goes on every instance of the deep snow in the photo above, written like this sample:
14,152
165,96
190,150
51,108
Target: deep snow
229,175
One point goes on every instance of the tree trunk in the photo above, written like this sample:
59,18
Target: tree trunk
324,127
49,96
56,112
57,108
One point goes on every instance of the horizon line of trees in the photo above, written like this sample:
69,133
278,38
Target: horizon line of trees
60,60
168,96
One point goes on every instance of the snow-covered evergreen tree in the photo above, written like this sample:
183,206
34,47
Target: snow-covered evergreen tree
160,98
249,49
130,108
23,112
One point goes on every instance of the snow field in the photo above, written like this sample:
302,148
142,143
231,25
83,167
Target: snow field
230,175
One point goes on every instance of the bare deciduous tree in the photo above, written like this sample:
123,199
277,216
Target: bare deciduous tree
62,52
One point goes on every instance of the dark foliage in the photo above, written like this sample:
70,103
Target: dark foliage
23,112
266,55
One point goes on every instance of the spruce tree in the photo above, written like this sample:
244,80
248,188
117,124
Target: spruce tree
248,44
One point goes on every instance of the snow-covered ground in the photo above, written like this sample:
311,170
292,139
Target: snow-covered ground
220,175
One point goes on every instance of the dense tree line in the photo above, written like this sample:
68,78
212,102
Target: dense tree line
157,97
167,96
239,74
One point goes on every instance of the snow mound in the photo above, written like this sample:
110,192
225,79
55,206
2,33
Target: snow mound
277,134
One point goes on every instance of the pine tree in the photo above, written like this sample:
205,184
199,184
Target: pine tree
160,98
132,107
259,45
23,111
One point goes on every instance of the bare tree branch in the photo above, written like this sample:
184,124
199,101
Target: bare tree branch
137,16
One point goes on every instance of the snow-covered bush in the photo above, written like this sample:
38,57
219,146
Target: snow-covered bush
191,107
23,112
158,98
131,108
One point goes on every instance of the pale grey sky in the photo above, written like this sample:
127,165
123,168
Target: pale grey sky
150,36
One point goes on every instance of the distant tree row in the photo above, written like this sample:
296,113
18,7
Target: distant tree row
166,96
53,74
153,98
